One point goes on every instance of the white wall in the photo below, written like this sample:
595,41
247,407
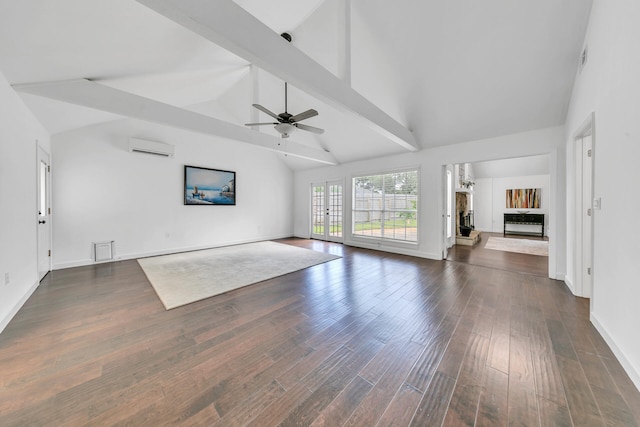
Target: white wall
483,204
609,87
520,166
19,131
321,35
430,162
490,199
373,68
102,192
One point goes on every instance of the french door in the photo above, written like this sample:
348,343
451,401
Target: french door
327,200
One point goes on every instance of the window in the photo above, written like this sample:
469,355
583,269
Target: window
42,199
385,206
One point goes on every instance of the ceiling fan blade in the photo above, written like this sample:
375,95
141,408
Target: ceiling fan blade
259,124
304,115
264,110
309,128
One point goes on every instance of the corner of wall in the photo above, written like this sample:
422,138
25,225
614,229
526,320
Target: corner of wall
631,370
7,318
570,285
21,134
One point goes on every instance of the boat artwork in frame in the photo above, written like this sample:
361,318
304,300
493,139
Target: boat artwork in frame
209,187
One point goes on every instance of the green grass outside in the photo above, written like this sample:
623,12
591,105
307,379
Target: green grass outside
376,225
371,225
319,229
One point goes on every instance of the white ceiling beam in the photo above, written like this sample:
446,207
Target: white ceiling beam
226,24
94,95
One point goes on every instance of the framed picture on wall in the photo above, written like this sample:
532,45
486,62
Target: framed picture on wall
208,187
524,198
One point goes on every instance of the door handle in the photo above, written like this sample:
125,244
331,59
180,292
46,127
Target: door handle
42,222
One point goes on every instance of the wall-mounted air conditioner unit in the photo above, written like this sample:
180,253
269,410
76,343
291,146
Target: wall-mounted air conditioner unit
137,145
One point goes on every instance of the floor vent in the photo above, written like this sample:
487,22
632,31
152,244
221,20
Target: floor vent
103,251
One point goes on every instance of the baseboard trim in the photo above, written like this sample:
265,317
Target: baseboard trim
570,285
394,249
7,319
631,370
124,257
381,246
71,264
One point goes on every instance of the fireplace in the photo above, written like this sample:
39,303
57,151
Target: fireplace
464,217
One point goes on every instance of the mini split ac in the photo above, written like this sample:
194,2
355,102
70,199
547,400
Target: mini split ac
137,145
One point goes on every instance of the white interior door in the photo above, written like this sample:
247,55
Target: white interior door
327,220
44,213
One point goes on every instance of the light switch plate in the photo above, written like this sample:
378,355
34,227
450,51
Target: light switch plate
597,203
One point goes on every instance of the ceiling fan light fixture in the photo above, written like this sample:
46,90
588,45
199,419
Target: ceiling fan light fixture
287,123
284,129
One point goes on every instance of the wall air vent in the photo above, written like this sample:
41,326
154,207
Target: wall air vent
137,145
103,251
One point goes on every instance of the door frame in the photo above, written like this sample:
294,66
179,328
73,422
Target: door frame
584,238
448,228
327,195
43,245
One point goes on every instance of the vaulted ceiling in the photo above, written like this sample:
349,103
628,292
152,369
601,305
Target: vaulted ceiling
386,77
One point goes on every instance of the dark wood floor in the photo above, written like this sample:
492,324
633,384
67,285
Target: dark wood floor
478,255
369,339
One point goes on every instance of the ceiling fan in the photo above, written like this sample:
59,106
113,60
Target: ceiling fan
287,123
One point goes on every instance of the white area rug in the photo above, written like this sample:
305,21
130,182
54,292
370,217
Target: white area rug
187,277
522,246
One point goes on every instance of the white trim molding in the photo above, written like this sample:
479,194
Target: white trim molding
630,369
4,322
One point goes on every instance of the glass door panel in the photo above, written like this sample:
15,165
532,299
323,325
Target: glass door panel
327,211
318,211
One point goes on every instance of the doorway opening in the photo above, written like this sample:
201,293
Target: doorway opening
484,204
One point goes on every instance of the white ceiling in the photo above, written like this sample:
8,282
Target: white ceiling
450,71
